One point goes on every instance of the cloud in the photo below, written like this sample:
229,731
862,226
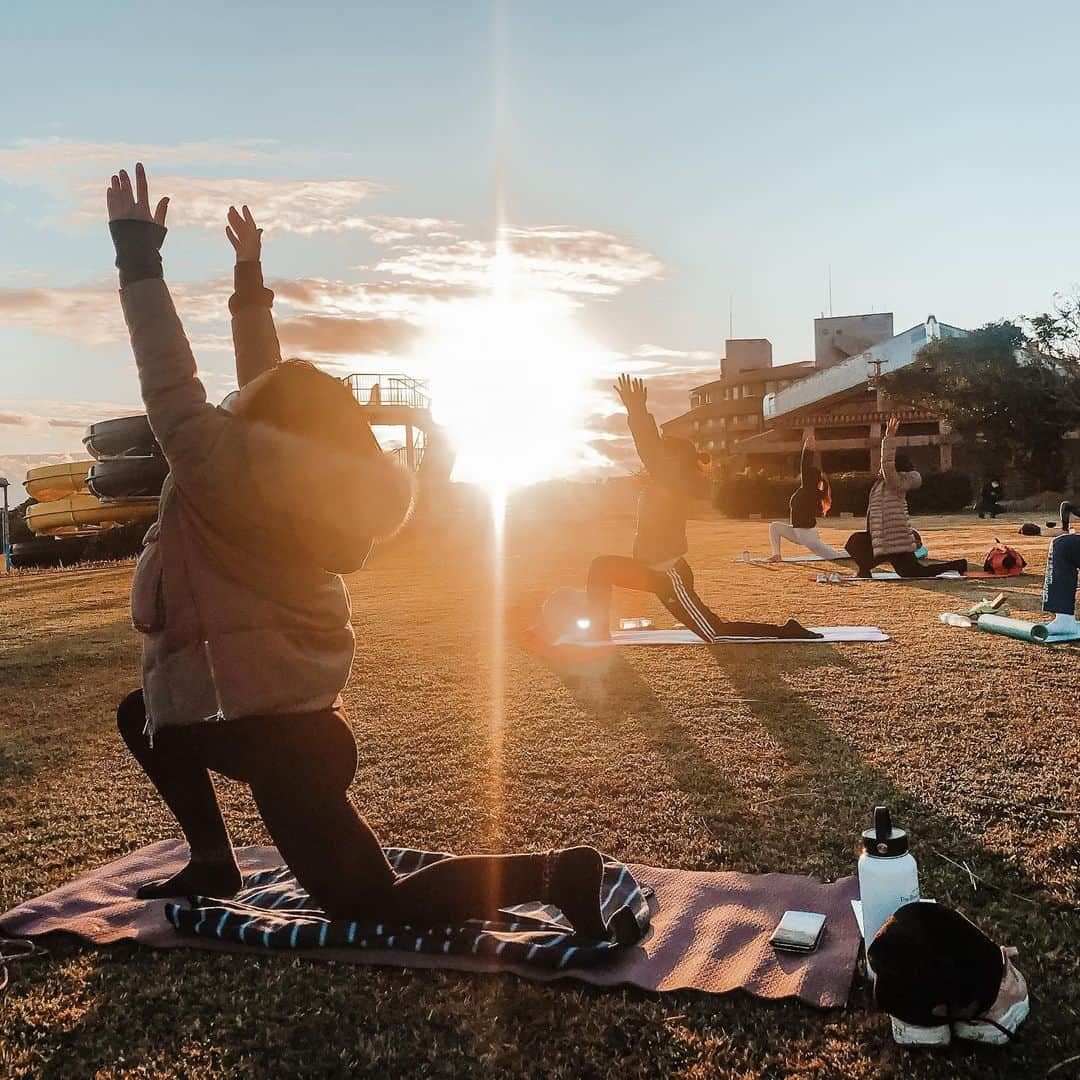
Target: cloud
49,426
322,335
583,262
49,161
417,301
304,207
82,167
393,230
670,361
91,315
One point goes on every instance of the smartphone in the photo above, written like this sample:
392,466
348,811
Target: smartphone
798,932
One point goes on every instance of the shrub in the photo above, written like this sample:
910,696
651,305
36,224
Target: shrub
741,496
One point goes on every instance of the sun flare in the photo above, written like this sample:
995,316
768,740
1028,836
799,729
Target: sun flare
512,379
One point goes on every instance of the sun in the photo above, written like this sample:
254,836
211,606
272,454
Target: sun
512,379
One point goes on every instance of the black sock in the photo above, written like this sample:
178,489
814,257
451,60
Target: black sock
577,874
220,879
795,630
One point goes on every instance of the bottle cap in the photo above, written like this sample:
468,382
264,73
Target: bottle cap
883,841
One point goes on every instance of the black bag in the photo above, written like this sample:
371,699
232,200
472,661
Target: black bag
931,965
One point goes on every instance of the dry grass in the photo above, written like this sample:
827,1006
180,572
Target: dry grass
694,757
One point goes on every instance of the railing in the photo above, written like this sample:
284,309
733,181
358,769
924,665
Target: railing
400,454
382,389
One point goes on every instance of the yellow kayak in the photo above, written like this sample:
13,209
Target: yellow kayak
49,482
85,513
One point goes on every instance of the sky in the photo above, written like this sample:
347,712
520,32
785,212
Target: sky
652,170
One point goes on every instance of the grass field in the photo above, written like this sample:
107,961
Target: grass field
755,759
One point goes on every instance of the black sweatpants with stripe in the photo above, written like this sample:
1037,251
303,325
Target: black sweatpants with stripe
674,588
299,768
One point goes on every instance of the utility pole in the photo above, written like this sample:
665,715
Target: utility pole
875,382
5,528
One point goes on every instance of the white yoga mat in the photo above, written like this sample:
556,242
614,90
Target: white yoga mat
794,559
688,637
892,575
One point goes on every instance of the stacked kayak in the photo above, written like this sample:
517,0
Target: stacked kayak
119,485
78,514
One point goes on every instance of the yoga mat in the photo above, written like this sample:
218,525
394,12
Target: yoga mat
1035,632
710,931
688,637
949,575
892,575
793,559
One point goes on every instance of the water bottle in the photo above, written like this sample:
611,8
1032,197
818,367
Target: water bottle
888,874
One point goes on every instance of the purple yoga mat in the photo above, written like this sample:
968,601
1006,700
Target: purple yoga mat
709,931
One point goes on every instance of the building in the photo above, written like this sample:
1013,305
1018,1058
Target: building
842,405
729,409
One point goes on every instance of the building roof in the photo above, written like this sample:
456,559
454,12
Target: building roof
764,374
829,383
764,441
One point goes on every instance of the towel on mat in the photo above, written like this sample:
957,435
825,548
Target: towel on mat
688,637
272,911
708,931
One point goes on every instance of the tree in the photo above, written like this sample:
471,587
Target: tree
1057,333
1005,396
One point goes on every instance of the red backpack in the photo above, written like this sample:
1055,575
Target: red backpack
1004,561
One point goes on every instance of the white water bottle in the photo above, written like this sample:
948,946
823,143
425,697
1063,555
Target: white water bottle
888,873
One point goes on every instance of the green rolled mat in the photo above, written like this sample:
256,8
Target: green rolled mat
1017,628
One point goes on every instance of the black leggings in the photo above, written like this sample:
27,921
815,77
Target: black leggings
674,588
299,768
907,566
861,548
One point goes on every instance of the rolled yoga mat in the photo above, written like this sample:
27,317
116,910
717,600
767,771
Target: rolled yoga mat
1017,628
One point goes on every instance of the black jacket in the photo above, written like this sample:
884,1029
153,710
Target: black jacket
806,502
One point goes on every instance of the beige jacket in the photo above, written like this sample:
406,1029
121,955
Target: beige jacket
887,516
239,615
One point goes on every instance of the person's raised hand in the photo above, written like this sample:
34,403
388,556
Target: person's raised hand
892,426
123,202
244,235
632,392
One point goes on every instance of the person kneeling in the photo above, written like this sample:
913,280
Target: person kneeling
248,640
889,536
812,498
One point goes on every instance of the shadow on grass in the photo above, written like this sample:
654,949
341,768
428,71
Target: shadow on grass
224,1014
842,788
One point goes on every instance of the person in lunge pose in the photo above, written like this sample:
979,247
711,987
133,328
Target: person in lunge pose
889,536
247,635
674,480
811,500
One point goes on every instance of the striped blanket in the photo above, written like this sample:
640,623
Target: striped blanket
271,911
